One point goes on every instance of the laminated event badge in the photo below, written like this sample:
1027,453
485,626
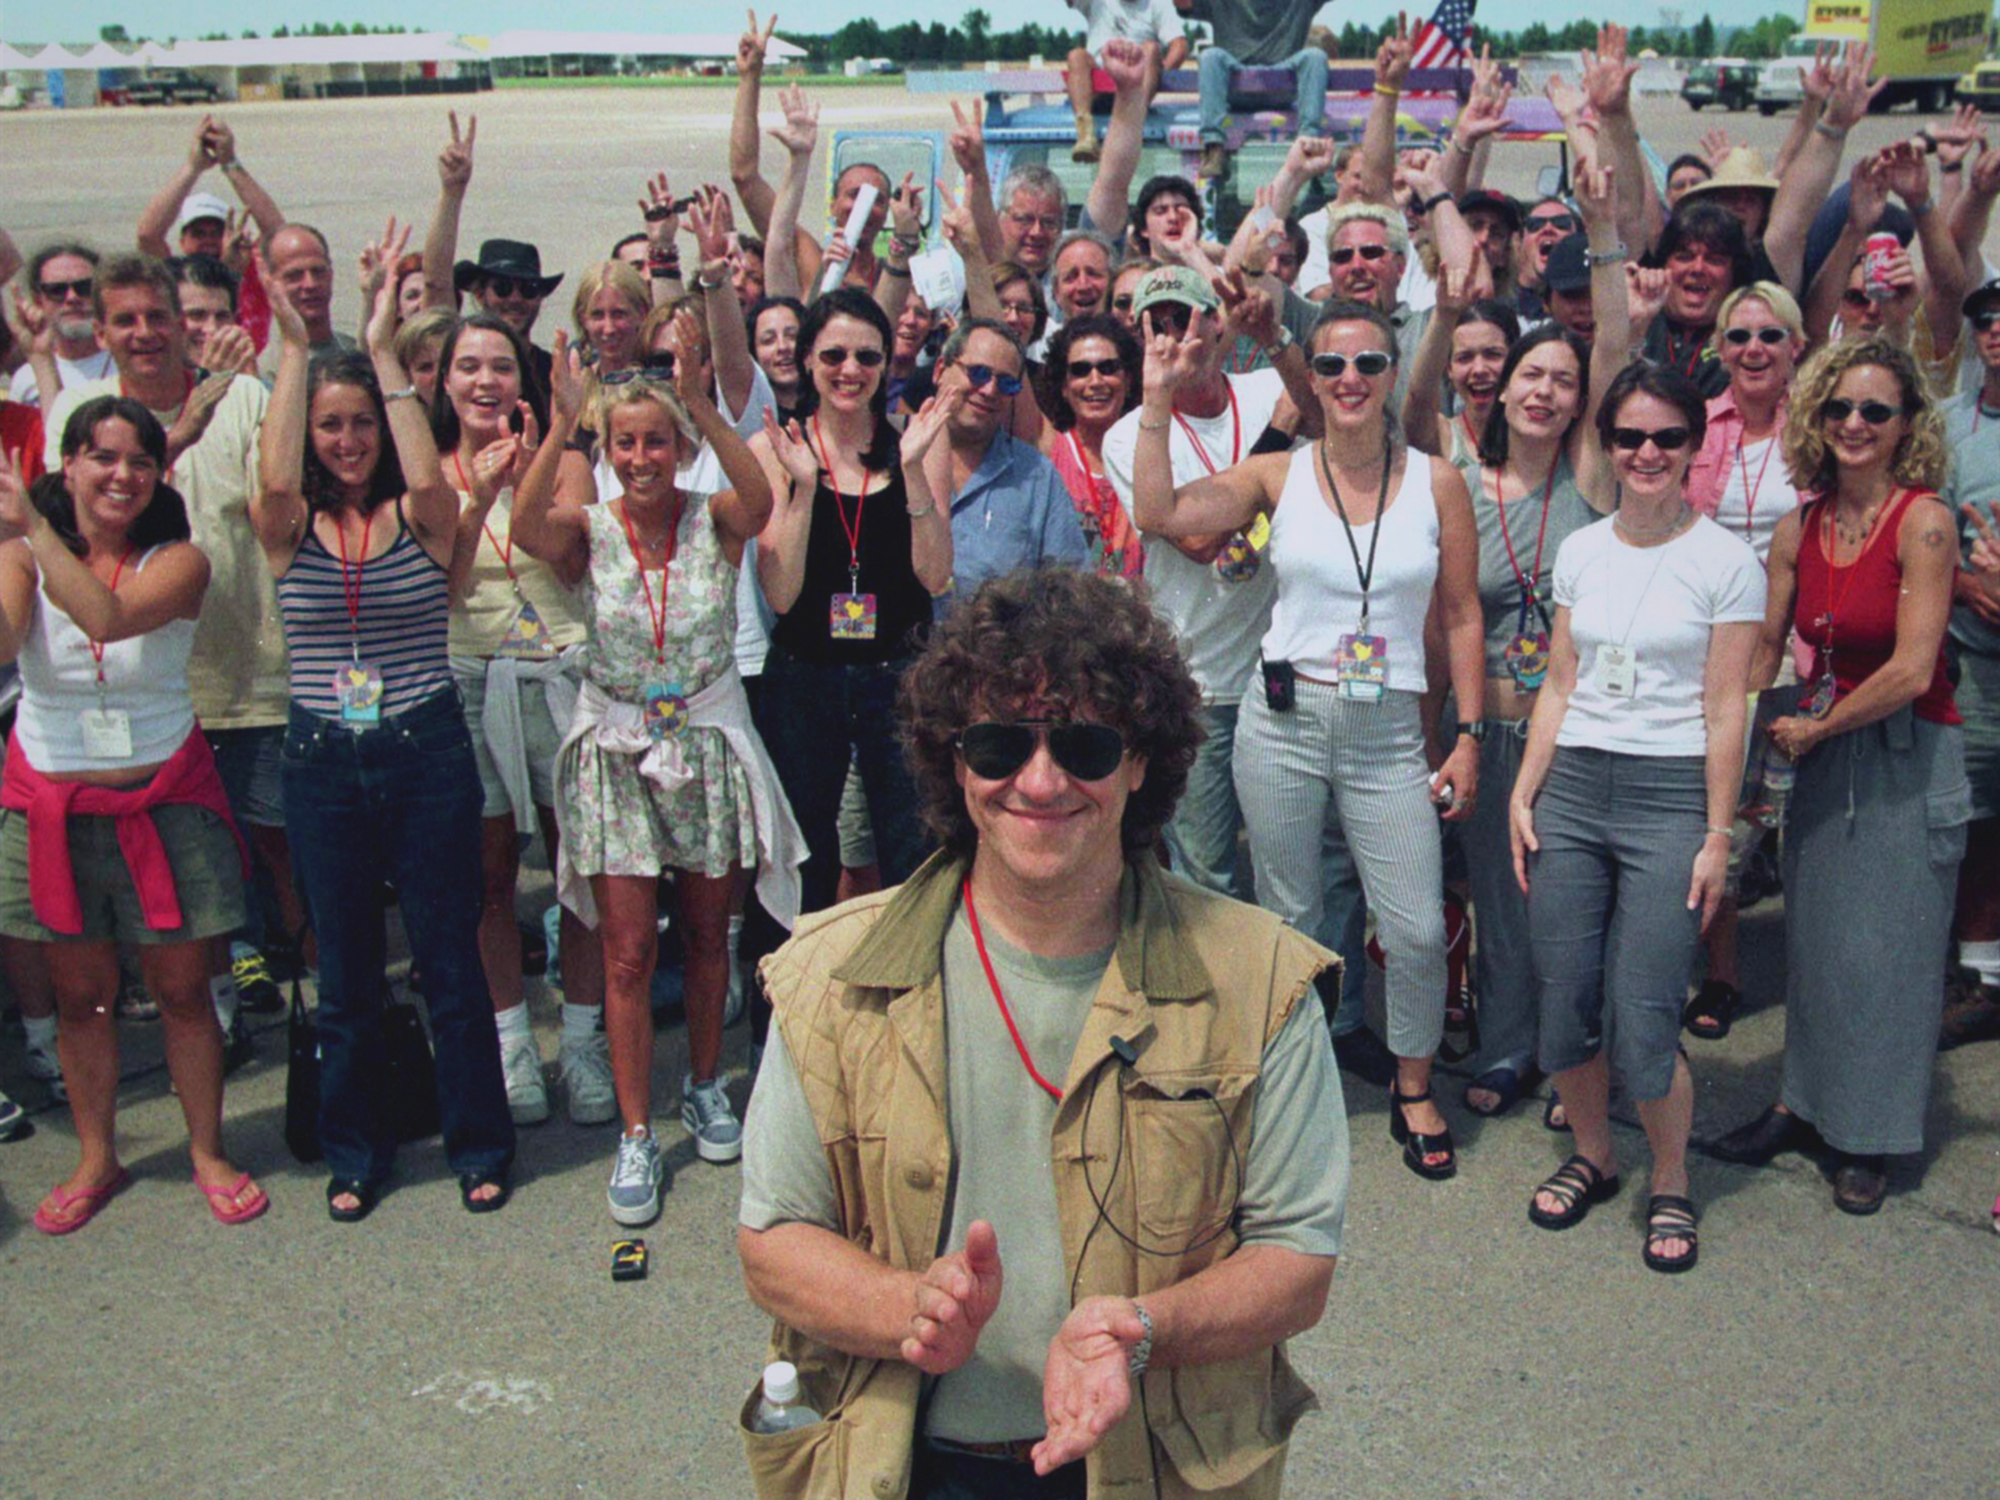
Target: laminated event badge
527,635
357,687
666,710
1243,553
1527,658
853,617
1823,694
1361,669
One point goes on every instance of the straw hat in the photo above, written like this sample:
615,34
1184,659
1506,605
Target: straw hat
1743,167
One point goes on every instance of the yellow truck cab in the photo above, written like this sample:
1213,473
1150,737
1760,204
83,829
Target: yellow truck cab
1924,48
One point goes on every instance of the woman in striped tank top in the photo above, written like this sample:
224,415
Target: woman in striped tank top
358,522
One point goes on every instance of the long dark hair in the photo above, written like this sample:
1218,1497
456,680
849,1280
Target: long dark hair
1493,440
1053,375
850,302
316,482
444,416
165,517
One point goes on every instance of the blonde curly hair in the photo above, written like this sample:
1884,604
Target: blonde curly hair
1922,459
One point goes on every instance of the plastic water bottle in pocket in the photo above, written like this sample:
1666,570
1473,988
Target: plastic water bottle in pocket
781,1410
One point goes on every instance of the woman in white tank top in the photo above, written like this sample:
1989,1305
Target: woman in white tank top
115,826
1365,535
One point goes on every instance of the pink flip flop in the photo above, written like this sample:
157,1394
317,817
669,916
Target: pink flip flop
53,1217
222,1201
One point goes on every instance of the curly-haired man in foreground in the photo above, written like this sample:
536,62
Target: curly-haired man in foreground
1044,1053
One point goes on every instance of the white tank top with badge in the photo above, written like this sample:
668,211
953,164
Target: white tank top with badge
1319,581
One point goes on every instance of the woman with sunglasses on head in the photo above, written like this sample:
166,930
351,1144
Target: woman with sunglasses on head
659,770
117,829
1366,536
1876,825
1536,477
1091,379
1741,481
1621,811
358,522
516,630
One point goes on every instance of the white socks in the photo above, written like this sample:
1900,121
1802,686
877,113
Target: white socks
579,1023
41,1032
513,1023
222,991
1984,958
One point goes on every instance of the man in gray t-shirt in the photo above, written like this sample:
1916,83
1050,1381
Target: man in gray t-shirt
1045,1128
1257,34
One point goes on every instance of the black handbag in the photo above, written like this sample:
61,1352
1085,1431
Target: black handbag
302,1079
406,1088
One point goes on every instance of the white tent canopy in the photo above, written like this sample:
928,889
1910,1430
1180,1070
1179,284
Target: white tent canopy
536,43
283,51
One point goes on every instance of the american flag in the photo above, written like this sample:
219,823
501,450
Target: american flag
1441,41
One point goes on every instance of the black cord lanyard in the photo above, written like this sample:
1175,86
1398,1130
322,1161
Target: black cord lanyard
1363,576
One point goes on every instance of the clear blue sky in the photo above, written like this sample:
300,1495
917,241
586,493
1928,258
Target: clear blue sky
45,21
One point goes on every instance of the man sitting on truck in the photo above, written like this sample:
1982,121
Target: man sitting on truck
1257,34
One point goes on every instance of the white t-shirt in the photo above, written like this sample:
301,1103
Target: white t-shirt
1659,604
1753,511
239,675
1220,610
74,372
1134,20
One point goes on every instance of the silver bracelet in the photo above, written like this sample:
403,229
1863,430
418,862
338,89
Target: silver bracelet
1831,132
1722,833
1609,257
407,393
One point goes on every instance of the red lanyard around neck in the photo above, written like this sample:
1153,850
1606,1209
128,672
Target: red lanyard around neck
993,981
97,646
1235,435
1828,540
657,617
350,586
506,552
1526,580
853,532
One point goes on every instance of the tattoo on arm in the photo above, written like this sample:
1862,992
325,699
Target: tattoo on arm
1935,538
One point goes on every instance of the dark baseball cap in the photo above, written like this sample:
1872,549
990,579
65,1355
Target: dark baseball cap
1568,269
1981,298
1499,203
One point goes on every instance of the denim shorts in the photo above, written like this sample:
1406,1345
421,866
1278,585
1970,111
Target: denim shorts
208,879
247,761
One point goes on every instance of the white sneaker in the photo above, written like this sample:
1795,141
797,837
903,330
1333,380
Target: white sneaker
527,1090
707,1116
42,1065
586,1072
732,1005
638,1180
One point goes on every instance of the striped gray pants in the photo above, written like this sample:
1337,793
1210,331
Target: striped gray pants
1357,767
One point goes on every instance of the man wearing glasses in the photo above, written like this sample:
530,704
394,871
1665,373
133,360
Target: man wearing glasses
1092,1086
63,277
1033,208
1009,507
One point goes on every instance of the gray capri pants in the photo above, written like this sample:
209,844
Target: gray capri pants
1360,765
1608,919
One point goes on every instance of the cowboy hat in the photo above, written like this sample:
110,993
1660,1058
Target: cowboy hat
515,259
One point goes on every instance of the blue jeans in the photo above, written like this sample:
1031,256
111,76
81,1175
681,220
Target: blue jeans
1201,837
1215,68
398,804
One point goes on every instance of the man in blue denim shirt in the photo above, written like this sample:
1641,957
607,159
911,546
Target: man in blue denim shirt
1009,507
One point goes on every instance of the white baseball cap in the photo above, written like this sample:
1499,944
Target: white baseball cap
201,206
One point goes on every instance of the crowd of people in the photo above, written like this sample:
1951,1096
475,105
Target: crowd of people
1560,561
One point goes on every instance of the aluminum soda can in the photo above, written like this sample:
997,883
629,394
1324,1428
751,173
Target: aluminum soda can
1875,266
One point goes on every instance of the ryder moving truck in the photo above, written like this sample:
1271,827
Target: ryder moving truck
1923,47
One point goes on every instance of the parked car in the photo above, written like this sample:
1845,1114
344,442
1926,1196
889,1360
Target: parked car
171,86
1728,81
1981,86
1781,85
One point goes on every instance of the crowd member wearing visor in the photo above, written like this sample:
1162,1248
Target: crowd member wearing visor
1621,812
1365,533
1009,507
1875,828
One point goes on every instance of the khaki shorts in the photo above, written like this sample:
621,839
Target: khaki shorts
538,727
208,879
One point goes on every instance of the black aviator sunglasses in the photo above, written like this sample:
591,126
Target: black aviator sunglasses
994,751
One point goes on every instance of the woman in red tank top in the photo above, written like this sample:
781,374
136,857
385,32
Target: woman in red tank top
1875,830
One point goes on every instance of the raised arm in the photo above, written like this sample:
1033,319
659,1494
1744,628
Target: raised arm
1971,211
961,232
1908,173
249,192
1607,86
156,221
1216,504
1816,83
278,510
441,238
1611,347
751,189
930,522
785,274
1479,122
968,149
430,504
728,339
793,473
1377,169
1801,193
36,332
661,213
1867,196
740,511
1423,422
1109,201
558,535
906,236
1251,311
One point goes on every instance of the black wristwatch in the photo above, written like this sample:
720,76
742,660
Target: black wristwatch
1432,202
1474,730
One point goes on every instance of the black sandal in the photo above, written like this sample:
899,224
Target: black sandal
1860,1183
365,1195
1549,1120
1712,1011
1416,1144
472,1182
1578,1184
1670,1218
1509,1083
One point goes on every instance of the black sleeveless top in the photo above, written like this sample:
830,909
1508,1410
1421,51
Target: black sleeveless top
902,603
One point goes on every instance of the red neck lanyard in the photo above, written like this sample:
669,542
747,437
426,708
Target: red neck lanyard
97,646
657,617
1100,502
1827,541
506,552
1526,580
852,532
1750,490
350,587
1235,434
993,981
1471,437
